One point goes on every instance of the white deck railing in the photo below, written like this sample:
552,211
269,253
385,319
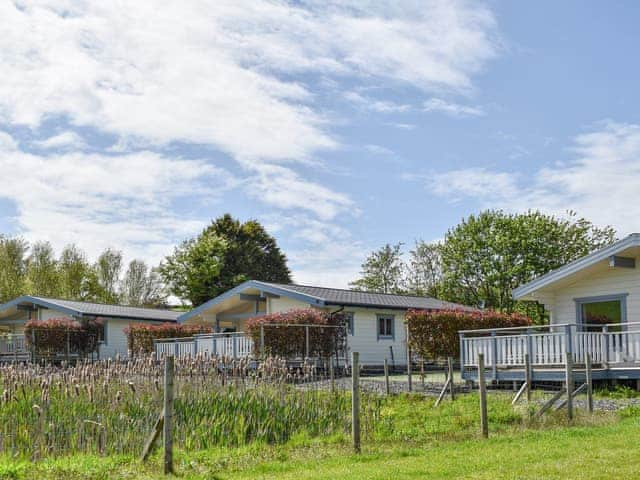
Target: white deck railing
548,345
13,345
235,345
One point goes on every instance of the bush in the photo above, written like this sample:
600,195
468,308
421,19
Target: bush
284,336
59,336
140,336
434,334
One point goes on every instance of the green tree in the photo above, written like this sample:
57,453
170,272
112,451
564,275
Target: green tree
424,269
13,266
42,271
142,286
382,271
73,273
103,278
487,255
224,255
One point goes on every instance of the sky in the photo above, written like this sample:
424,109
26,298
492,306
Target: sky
341,126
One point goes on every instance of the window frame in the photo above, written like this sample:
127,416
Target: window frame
392,320
620,297
350,322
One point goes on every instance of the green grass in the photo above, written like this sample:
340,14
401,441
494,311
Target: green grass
412,440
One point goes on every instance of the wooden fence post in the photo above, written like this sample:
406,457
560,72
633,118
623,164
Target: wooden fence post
332,376
262,341
589,382
355,400
451,390
168,414
386,376
484,425
527,375
409,361
570,383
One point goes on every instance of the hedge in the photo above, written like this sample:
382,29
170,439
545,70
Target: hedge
284,336
140,336
61,336
434,334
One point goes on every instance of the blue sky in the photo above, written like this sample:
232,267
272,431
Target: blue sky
341,126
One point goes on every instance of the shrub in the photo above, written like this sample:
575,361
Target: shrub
284,336
59,336
140,336
434,334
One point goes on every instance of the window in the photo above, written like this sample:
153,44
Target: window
386,327
602,310
348,320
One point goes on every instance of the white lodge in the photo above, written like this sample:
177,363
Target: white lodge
376,327
594,309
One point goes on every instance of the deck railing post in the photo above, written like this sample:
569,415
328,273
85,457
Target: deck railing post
568,340
605,330
494,356
529,345
234,337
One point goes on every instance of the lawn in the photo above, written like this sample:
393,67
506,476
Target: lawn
412,440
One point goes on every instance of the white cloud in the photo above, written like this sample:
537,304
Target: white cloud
64,140
213,73
380,106
600,183
235,76
452,109
100,201
283,188
322,253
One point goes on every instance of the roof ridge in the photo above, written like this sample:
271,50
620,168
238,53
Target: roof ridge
50,299
352,291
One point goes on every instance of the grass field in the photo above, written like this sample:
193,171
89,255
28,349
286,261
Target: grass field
413,440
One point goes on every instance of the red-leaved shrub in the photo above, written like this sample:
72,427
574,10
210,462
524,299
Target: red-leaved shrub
285,333
140,336
434,334
62,336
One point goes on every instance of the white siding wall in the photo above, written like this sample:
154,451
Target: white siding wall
283,304
47,314
608,282
365,338
116,341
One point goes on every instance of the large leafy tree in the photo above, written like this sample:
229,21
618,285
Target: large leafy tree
74,272
487,255
141,286
224,255
13,266
382,271
42,271
424,269
103,279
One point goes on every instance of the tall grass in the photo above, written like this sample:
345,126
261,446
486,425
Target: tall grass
110,407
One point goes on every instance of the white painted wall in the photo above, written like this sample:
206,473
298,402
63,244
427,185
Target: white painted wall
610,281
47,314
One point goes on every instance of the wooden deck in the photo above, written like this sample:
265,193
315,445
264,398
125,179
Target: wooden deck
614,350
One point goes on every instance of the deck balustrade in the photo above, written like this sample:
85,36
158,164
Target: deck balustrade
609,345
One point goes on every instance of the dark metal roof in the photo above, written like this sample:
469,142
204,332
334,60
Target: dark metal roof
337,296
102,310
